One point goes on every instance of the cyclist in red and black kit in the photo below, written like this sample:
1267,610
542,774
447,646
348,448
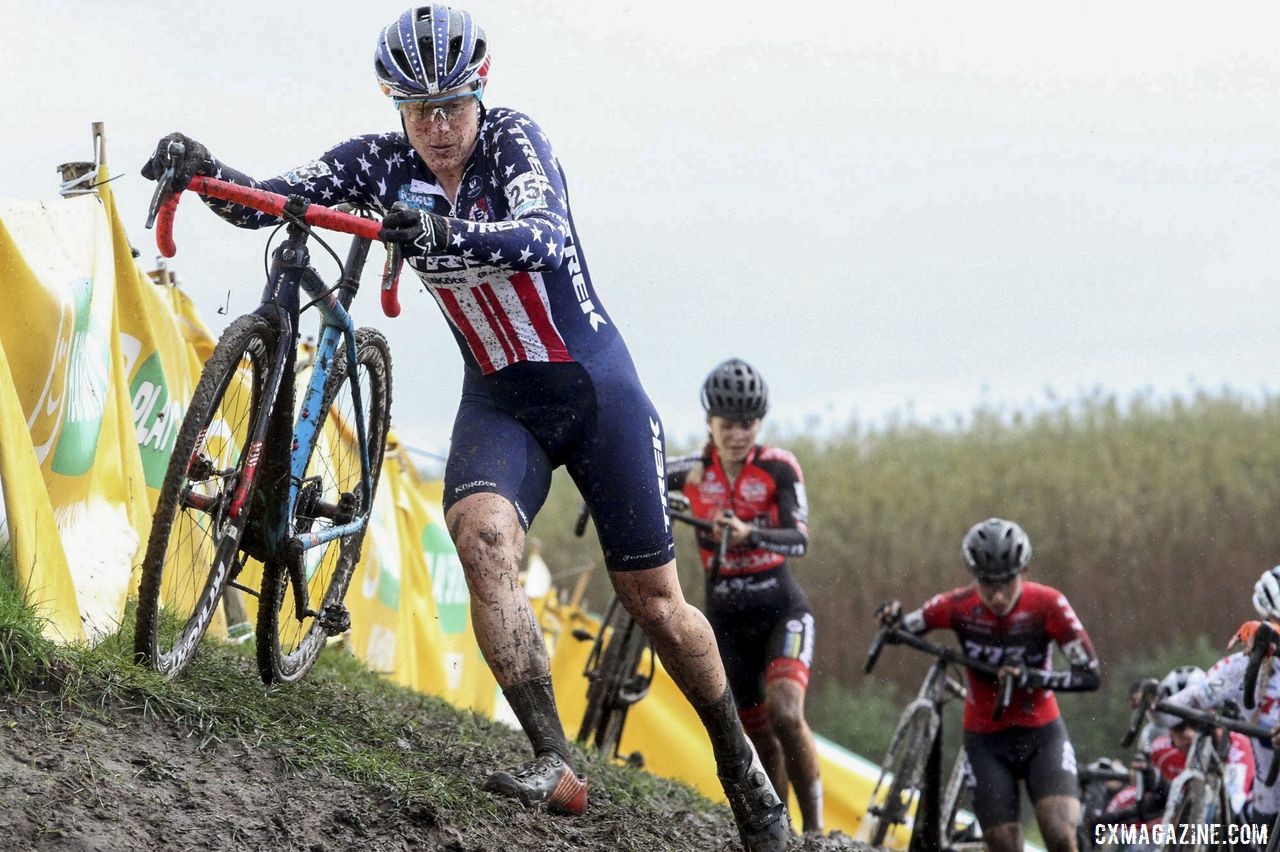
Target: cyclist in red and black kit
1007,621
762,620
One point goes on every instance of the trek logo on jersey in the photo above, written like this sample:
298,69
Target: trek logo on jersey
580,287
656,428
437,263
310,171
528,191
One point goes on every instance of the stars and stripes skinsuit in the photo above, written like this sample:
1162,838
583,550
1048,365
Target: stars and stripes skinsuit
547,377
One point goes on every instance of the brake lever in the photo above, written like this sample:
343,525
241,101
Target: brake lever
174,150
391,272
391,280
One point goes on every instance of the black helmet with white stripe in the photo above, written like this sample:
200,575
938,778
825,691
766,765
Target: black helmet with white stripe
996,550
735,390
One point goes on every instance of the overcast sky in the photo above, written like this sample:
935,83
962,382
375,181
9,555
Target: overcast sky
910,206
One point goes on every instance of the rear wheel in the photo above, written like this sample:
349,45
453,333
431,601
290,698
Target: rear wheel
331,493
195,531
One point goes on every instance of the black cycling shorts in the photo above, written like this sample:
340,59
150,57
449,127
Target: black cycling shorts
515,426
764,627
1042,757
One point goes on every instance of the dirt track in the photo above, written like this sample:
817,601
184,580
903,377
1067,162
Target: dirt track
118,781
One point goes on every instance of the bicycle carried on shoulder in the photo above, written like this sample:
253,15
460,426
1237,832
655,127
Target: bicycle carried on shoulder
246,480
901,784
1199,795
616,676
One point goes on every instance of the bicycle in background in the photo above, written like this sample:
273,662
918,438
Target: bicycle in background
616,673
1199,795
1099,782
246,480
901,784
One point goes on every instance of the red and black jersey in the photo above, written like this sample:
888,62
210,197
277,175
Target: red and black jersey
768,494
1024,636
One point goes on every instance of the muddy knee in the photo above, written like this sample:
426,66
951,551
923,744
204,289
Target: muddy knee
485,533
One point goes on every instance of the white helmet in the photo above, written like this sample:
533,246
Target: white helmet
1174,682
1266,595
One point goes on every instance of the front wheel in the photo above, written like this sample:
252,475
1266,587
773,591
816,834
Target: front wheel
903,765
200,516
623,647
1187,806
331,493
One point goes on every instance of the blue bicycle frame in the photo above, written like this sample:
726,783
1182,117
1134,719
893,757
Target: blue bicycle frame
291,274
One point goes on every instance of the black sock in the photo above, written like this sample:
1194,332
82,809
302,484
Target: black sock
535,706
728,742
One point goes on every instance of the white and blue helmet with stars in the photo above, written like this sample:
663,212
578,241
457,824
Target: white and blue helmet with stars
429,50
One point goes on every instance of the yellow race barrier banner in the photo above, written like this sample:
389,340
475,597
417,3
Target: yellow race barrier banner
97,367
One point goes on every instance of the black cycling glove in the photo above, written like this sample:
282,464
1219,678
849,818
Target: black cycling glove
428,232
194,160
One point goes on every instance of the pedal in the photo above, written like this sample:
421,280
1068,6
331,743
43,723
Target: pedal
334,619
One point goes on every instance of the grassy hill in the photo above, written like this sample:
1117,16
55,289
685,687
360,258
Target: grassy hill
98,754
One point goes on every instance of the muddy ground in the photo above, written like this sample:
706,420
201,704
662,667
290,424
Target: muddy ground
121,777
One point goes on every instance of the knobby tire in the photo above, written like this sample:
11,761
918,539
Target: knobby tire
906,761
287,647
955,798
191,548
632,646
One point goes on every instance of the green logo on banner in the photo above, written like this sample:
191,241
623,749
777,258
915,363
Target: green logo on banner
448,583
154,419
86,389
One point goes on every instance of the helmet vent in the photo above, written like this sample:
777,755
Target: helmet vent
455,50
401,60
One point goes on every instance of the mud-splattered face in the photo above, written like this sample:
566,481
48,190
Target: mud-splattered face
443,130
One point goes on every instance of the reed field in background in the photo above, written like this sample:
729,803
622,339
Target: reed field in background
1153,515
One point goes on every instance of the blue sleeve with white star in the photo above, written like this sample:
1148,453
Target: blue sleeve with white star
534,232
357,171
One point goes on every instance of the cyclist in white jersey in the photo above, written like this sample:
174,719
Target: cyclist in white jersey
1225,682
